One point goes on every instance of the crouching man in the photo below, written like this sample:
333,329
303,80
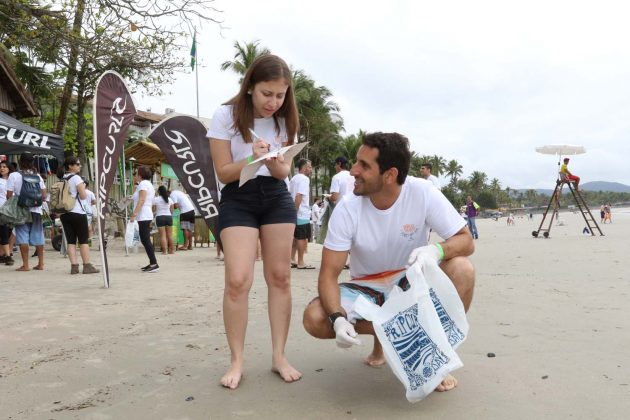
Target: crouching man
385,227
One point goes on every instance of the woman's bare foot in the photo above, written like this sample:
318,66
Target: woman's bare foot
447,384
287,372
233,376
38,267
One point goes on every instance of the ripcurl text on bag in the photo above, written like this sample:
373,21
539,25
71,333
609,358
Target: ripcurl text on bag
411,332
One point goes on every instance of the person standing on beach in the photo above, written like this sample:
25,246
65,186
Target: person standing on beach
385,227
342,183
143,212
300,189
28,233
186,217
471,214
5,231
425,172
163,207
75,222
262,117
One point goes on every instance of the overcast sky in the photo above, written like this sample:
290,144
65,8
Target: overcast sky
481,82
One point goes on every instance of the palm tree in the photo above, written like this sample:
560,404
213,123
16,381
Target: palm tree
438,165
245,55
454,170
477,180
495,187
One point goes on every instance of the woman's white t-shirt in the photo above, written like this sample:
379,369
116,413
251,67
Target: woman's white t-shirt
3,191
146,212
162,208
222,128
74,181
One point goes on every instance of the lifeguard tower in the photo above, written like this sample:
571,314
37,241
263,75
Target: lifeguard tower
561,180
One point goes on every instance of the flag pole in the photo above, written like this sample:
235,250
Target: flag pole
197,85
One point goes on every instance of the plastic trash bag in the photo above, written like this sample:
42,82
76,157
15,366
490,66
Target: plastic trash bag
414,342
132,234
447,303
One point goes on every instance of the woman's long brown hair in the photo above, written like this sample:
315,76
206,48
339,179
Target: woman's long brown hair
265,68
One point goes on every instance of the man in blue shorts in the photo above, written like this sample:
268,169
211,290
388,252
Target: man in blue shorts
385,226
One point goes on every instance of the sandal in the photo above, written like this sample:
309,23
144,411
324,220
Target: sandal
293,265
306,267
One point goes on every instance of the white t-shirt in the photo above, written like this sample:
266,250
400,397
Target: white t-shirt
73,183
185,205
435,181
146,212
3,191
381,240
87,203
315,209
14,183
342,183
162,208
222,129
300,183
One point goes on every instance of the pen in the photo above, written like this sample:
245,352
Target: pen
256,136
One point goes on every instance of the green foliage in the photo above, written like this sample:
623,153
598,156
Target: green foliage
486,200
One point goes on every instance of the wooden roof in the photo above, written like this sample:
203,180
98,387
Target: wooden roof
145,153
22,99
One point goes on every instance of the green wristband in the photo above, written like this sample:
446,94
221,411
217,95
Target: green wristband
439,247
249,159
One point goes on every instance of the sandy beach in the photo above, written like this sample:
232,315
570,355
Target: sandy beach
555,312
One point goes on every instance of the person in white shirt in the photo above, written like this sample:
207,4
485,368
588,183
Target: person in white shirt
28,233
342,183
300,189
75,222
385,226
5,231
425,172
89,205
261,118
186,217
317,212
143,212
163,208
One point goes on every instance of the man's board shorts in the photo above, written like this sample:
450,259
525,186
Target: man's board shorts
30,233
187,220
375,288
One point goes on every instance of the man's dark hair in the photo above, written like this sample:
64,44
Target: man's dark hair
393,152
26,161
342,161
301,163
427,165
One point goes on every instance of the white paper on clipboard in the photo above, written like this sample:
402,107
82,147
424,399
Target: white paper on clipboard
289,152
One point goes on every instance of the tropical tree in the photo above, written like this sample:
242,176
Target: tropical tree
438,165
477,180
246,53
454,170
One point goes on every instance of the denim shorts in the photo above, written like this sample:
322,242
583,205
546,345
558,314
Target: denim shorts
30,233
263,200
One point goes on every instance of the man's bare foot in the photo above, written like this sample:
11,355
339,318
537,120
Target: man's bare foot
233,376
376,358
447,384
22,268
287,372
38,267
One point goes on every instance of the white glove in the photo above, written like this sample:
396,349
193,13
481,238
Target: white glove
424,253
345,333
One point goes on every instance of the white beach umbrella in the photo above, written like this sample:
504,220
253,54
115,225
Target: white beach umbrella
561,149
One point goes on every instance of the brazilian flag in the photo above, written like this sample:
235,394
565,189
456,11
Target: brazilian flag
193,52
